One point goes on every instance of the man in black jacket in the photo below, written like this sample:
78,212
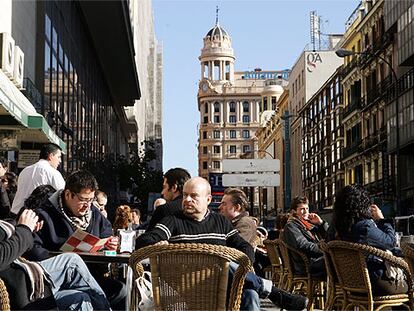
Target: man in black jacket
196,224
172,192
65,276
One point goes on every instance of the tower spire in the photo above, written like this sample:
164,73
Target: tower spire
217,16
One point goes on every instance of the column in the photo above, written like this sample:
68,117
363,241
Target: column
211,112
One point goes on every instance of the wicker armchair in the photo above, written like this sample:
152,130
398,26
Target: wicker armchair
306,284
192,276
279,271
4,297
349,260
335,295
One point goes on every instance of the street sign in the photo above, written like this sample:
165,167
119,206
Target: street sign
251,165
251,180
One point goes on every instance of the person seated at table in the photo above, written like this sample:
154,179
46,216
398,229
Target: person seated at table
101,199
123,218
195,223
63,281
301,232
68,210
357,219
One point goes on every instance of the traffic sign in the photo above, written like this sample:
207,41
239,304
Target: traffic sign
251,180
251,165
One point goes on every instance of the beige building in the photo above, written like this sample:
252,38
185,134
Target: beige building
229,103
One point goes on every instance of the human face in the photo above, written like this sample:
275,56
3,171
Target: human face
55,159
227,208
196,198
79,203
101,202
168,193
135,218
3,170
302,211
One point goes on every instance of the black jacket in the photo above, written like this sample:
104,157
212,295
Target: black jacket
173,207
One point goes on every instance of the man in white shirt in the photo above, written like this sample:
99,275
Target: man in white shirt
43,172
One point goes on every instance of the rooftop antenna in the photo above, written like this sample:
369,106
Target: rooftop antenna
217,16
315,30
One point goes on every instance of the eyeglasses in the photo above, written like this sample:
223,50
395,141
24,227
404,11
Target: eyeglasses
84,200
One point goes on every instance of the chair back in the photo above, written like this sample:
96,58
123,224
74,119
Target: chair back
273,253
330,269
408,251
4,297
193,276
349,260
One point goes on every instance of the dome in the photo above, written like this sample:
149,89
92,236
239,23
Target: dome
217,31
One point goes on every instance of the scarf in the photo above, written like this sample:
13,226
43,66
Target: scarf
81,222
33,270
303,223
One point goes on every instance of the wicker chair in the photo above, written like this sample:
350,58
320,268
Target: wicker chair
335,295
279,271
306,284
4,297
349,260
192,276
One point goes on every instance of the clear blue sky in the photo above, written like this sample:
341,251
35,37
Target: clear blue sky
266,34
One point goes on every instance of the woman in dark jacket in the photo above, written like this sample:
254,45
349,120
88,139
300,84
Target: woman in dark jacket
358,220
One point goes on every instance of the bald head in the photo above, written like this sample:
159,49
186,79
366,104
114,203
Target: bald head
196,197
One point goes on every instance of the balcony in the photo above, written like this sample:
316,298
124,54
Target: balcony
355,104
370,142
352,149
349,67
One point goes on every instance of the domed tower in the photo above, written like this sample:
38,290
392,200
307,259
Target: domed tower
216,59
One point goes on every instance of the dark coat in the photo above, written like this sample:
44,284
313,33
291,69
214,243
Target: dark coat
173,207
57,229
298,237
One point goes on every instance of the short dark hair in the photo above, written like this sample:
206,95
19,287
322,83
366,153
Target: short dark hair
177,176
136,211
298,200
4,162
79,180
238,197
99,192
47,149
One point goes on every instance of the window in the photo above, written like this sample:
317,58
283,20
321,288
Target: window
204,165
204,135
232,119
264,103
273,102
206,108
216,149
246,119
216,119
205,120
232,107
245,107
232,134
232,149
216,134
216,164
216,107
246,148
204,149
246,134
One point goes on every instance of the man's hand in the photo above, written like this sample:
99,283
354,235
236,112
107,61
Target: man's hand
29,219
315,219
161,243
376,212
112,243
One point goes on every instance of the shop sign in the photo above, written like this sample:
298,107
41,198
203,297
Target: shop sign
27,157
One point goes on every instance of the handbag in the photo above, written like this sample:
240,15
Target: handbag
144,286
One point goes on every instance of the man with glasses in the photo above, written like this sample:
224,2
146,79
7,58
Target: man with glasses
68,210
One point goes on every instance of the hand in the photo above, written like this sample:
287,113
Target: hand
39,225
376,212
29,219
315,219
112,243
162,243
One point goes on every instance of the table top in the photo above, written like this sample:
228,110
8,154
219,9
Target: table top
99,257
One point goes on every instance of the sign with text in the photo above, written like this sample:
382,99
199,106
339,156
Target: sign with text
251,180
27,157
251,165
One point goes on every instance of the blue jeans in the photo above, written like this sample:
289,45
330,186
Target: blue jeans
73,286
254,287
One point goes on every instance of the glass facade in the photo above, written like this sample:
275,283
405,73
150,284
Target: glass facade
77,103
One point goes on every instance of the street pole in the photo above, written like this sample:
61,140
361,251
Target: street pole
286,118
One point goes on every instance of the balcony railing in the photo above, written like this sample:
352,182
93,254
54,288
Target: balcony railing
350,66
352,149
353,106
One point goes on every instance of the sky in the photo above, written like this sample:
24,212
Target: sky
265,34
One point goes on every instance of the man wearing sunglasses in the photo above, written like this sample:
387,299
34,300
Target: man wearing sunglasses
68,210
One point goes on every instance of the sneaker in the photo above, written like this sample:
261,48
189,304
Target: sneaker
288,301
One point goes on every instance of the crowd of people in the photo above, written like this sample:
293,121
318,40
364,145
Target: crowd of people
39,211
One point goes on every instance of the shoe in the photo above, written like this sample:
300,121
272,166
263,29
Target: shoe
288,301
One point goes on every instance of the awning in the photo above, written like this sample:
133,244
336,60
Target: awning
17,113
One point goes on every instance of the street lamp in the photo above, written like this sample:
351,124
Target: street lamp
343,53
